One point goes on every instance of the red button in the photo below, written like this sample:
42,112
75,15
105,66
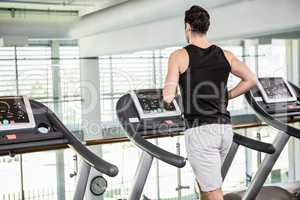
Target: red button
291,106
168,122
11,137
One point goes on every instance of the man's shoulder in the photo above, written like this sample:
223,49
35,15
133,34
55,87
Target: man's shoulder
179,53
181,58
227,53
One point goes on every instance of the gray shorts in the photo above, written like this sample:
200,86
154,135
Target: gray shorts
207,147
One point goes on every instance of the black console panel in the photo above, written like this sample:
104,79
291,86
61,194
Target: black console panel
14,114
13,110
280,108
149,126
151,115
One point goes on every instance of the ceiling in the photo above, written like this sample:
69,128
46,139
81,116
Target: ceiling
81,18
83,7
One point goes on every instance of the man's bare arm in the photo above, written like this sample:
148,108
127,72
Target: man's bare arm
171,82
241,70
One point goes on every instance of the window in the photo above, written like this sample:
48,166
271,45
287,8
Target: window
34,72
272,61
10,172
70,97
8,84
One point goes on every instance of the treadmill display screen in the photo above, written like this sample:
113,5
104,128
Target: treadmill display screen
150,104
276,90
153,103
15,112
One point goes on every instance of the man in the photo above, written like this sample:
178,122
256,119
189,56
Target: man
201,70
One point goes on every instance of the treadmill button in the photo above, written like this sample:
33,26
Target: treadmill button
291,106
43,130
11,137
169,122
5,122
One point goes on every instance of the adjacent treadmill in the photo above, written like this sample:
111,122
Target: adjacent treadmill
27,125
143,114
276,102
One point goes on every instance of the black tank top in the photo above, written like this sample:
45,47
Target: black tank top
203,86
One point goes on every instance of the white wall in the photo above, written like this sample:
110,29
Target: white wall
36,25
244,19
148,36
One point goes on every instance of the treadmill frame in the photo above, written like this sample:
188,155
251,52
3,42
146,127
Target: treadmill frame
141,176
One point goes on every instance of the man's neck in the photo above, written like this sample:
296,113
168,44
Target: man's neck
200,41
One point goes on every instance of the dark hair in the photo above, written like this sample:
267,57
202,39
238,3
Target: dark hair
198,18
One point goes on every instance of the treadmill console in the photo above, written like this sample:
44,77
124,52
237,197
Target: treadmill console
150,104
155,114
24,123
277,96
276,89
15,113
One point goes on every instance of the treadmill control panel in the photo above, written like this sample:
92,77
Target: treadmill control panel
277,96
150,104
155,114
25,125
15,113
153,104
276,89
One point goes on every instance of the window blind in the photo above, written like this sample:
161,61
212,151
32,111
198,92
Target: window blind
120,74
34,72
7,72
70,99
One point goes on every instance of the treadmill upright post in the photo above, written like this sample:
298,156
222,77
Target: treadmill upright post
266,167
82,181
141,175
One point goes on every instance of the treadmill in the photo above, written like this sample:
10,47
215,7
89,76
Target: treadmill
27,125
143,114
276,102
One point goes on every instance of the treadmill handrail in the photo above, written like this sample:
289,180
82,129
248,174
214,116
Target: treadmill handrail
146,146
90,157
253,144
271,120
157,152
297,90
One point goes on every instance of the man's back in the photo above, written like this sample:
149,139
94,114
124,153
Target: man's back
203,86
